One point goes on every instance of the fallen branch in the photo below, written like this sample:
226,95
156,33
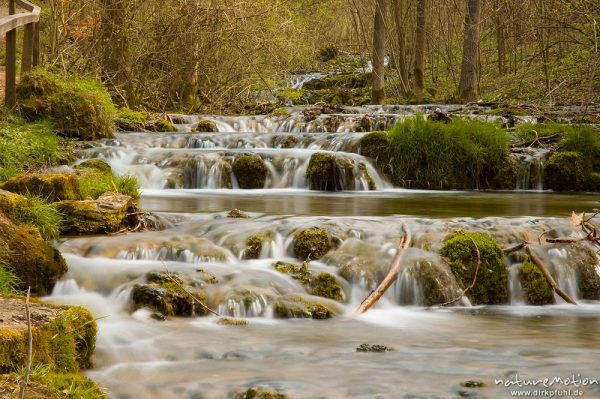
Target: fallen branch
25,382
514,248
389,279
540,264
553,138
470,287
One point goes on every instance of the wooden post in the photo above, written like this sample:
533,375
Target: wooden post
27,56
36,44
11,62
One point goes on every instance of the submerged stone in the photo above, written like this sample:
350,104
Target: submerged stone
260,393
250,171
254,246
226,321
305,306
51,186
491,280
329,172
237,214
373,348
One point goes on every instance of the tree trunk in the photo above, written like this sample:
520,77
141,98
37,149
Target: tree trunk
420,49
401,39
470,70
378,89
500,37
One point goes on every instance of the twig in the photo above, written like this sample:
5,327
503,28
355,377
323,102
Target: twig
25,382
470,287
391,276
199,302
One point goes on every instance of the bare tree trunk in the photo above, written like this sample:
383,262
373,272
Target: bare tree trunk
420,49
500,37
378,89
469,75
401,39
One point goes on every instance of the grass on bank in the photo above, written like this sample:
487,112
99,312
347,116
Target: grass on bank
38,212
8,279
94,183
463,154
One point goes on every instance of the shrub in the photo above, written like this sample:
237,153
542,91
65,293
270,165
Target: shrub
585,140
565,171
463,154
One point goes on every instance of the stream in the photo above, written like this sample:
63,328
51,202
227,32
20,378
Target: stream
186,178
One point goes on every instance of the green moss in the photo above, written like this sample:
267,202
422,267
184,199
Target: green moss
564,171
65,342
260,393
311,244
462,154
95,181
375,145
328,172
97,165
584,140
370,182
254,246
206,126
435,285
251,171
299,273
536,289
460,251
281,112
529,131
295,96
327,286
37,264
38,213
108,214
303,306
507,111
588,274
163,126
51,186
226,321
128,117
48,385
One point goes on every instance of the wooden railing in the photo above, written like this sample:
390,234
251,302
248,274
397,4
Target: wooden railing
31,43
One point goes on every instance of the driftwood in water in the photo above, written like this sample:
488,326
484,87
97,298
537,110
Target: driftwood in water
540,264
390,277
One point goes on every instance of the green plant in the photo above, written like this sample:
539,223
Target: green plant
94,183
529,131
584,140
463,154
8,280
39,213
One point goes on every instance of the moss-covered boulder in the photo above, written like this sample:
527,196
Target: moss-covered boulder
172,294
587,272
564,171
11,202
128,120
375,145
305,307
78,108
160,126
254,246
237,214
250,171
94,164
323,284
311,244
536,290
491,280
51,186
329,172
108,214
260,393
38,264
63,337
206,126
437,284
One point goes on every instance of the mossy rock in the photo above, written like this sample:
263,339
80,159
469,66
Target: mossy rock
237,214
587,273
506,176
260,393
128,120
161,126
170,295
51,186
63,337
10,203
325,285
298,272
375,145
52,386
536,289
305,307
108,214
435,283
250,171
38,264
564,171
227,321
311,244
96,165
254,246
78,108
206,126
329,172
460,251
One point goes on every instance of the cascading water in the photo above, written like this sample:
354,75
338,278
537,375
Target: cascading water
530,170
141,357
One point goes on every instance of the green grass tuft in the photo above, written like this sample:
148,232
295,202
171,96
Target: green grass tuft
8,279
94,183
38,212
463,154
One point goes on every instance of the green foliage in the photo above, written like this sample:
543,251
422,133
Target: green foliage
95,182
79,108
38,212
45,384
460,250
28,146
584,140
9,281
529,131
565,171
132,117
463,154
535,287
